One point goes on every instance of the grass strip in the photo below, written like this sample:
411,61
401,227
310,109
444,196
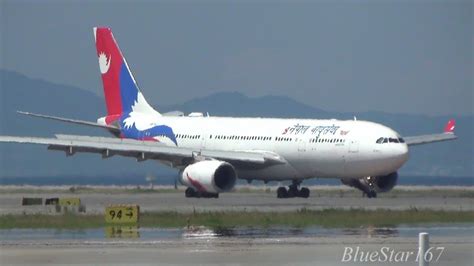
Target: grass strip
330,218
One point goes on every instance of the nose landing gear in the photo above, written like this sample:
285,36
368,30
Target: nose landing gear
370,194
293,191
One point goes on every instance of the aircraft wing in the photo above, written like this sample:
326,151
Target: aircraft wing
424,139
146,150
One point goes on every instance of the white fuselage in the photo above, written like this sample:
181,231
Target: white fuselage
311,148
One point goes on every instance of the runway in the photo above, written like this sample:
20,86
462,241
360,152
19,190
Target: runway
239,246
10,203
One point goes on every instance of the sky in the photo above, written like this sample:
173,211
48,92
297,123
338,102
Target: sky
393,56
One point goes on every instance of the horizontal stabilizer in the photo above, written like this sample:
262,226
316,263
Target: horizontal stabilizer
73,121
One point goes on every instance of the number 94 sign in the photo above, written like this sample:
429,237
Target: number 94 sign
122,214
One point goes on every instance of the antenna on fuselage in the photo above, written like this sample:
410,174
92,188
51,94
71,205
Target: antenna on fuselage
355,118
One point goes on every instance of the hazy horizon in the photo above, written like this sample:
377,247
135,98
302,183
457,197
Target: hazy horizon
101,95
396,57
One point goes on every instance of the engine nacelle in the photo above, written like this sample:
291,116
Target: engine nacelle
373,183
209,176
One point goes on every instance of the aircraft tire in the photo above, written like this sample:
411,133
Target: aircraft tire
190,193
282,193
292,193
371,194
304,192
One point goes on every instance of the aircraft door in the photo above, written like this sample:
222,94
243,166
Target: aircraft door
353,146
203,140
301,145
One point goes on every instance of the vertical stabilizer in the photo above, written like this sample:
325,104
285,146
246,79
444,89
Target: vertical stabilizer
122,94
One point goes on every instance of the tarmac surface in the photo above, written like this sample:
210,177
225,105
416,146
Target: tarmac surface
10,203
337,250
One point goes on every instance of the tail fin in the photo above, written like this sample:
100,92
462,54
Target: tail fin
120,88
449,128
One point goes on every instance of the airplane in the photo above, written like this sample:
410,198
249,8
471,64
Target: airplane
211,153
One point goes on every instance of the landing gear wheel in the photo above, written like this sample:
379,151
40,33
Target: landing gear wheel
371,194
190,193
304,192
293,189
292,192
282,193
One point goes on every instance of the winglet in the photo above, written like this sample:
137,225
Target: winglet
449,128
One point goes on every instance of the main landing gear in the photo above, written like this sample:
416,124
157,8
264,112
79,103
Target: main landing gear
370,194
191,193
293,191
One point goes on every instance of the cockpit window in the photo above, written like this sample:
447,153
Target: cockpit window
379,140
385,140
393,140
401,140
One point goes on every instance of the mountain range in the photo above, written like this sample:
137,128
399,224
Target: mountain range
18,92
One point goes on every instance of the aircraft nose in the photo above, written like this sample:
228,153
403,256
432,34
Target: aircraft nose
401,153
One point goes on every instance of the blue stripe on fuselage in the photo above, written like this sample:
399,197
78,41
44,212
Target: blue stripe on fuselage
156,131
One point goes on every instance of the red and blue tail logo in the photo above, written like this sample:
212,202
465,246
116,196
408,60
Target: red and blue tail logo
125,103
120,88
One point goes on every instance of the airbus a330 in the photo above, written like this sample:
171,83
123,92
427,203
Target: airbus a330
211,153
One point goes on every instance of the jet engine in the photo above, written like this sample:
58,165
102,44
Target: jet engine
209,176
372,184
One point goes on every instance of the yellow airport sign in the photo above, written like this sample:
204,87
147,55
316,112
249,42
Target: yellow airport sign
122,214
69,202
